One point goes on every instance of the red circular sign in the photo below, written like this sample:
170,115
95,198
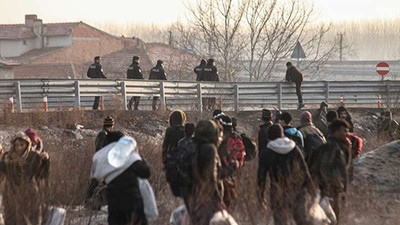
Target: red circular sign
382,68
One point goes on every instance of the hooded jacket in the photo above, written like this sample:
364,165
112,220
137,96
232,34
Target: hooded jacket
174,133
287,169
320,121
157,73
295,135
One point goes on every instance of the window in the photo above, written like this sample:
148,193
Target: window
24,42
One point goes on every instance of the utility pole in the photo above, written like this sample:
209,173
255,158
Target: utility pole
170,39
341,46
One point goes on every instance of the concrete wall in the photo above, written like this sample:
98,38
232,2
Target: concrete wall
6,73
14,48
58,41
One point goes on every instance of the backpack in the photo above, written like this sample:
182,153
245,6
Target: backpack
356,145
178,167
312,143
235,150
250,148
296,138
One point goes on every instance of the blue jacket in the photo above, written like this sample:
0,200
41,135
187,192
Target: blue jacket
295,135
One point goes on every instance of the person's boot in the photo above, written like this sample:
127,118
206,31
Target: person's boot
301,105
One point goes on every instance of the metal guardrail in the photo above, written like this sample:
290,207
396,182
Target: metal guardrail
68,94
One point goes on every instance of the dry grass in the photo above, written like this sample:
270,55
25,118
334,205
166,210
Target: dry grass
71,161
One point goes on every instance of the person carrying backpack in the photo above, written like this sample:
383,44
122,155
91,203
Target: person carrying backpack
313,138
232,153
292,133
178,163
174,132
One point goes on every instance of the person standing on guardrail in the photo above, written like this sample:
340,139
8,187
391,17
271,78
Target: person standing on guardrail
96,72
199,69
293,75
157,73
210,73
134,72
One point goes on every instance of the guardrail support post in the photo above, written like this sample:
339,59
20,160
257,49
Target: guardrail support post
279,92
199,98
236,97
124,100
388,102
77,94
18,95
327,91
162,96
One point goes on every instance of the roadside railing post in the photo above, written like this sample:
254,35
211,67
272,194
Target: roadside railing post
199,98
279,92
124,97
236,97
77,94
327,91
18,95
162,96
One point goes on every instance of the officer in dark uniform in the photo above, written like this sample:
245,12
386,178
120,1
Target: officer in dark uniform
210,73
157,73
295,76
96,72
199,69
134,72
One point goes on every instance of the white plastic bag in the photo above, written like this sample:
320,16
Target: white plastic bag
326,206
149,200
178,215
112,160
55,216
222,218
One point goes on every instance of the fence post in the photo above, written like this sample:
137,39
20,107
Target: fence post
388,96
199,98
77,94
279,92
327,91
236,97
162,96
18,95
124,100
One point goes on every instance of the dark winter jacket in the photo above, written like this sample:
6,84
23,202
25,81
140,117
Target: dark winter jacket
123,192
198,71
295,135
287,169
263,137
171,139
319,120
134,72
95,71
334,161
101,140
157,73
294,75
387,129
313,139
210,73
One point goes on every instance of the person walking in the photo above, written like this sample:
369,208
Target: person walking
290,181
157,73
319,118
210,73
291,132
174,133
267,118
95,71
293,75
344,114
134,72
205,198
334,161
199,69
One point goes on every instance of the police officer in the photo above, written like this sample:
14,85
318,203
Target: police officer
199,69
134,72
96,72
295,76
157,73
209,73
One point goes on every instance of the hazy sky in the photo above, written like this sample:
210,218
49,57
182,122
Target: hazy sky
167,11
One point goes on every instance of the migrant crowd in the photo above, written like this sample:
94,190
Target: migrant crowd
302,169
308,167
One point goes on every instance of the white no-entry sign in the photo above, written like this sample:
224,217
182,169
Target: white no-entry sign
382,68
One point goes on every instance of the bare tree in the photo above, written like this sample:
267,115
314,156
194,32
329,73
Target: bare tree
219,23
